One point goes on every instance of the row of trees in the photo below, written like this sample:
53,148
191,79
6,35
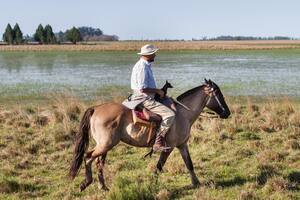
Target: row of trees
250,38
233,38
45,35
13,35
41,35
86,34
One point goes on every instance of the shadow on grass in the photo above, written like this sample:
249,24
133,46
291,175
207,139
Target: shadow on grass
236,181
294,178
181,191
13,186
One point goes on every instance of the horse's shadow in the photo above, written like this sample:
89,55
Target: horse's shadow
182,191
235,181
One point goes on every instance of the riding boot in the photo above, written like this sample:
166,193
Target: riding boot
160,143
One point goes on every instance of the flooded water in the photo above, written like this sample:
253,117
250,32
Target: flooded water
261,73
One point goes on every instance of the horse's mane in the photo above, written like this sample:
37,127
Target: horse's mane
189,92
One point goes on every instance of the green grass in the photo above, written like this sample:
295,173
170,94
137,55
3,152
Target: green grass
253,155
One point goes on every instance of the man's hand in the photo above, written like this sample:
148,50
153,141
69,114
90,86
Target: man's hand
143,90
160,93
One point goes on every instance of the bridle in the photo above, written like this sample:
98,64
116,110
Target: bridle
213,95
211,92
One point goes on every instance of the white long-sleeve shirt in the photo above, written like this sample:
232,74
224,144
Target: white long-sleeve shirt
142,76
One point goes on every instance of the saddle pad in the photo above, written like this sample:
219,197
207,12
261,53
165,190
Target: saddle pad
140,115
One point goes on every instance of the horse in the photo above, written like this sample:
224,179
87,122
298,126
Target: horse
110,123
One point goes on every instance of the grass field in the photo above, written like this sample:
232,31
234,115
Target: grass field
255,154
163,45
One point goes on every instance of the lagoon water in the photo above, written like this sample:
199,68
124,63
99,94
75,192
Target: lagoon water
258,73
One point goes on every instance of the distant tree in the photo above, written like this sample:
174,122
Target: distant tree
281,38
60,36
104,38
250,38
87,32
73,35
17,34
8,35
39,35
28,38
49,35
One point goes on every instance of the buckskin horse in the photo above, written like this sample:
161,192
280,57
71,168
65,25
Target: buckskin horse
111,123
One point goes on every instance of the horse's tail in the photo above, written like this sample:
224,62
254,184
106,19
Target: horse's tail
82,143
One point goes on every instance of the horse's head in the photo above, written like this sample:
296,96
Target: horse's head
216,101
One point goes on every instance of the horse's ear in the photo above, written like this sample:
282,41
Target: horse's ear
210,82
167,82
206,82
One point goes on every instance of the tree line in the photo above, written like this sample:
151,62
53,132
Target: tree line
233,38
45,35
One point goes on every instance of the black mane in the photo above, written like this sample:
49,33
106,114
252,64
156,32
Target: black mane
189,92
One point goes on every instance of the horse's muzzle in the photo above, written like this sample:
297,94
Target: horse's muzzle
225,114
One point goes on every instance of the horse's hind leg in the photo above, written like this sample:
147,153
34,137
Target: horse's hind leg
88,171
88,160
100,165
99,150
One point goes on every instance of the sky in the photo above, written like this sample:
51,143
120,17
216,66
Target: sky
158,19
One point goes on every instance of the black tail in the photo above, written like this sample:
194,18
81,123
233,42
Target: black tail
82,143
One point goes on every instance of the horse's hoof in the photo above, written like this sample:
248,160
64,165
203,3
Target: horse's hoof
82,187
196,184
105,188
157,172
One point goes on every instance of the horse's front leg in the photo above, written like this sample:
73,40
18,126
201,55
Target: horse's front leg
162,160
184,151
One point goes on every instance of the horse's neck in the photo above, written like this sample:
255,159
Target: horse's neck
196,104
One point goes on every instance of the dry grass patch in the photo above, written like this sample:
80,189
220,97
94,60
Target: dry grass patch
163,45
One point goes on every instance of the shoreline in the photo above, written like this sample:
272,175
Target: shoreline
48,99
162,45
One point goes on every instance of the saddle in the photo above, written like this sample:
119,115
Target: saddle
143,117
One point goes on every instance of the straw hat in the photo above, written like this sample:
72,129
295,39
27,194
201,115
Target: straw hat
148,49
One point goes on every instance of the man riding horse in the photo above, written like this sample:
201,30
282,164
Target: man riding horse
110,123
144,89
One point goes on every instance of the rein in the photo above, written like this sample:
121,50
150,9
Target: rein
211,93
181,104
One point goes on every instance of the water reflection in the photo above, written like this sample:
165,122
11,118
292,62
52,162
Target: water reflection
17,61
12,62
